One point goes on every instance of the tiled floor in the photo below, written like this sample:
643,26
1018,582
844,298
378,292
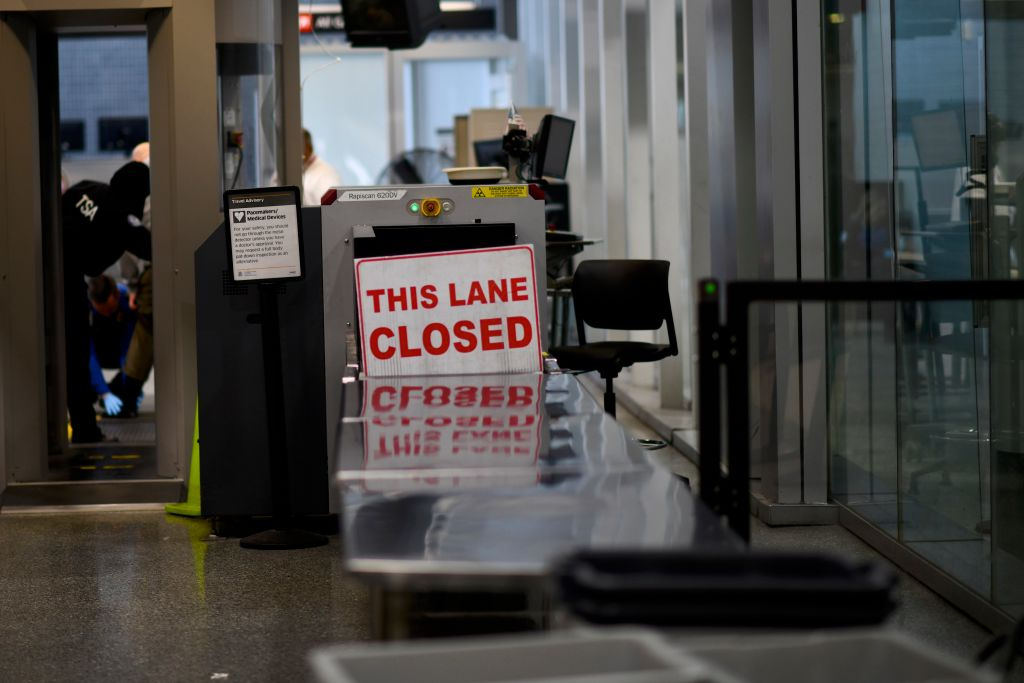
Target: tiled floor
131,453
128,596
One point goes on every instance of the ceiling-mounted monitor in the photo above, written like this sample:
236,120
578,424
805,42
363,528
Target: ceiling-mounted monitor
394,24
72,136
121,134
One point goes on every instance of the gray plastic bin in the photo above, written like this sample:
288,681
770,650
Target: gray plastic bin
615,656
868,656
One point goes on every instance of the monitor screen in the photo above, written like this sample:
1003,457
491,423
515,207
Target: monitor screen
553,144
122,134
72,136
490,153
392,24
939,138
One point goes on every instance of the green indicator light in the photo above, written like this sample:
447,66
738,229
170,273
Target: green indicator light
414,207
710,287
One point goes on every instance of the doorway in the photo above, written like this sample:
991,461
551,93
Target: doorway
102,107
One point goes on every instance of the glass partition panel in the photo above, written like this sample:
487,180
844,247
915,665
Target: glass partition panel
924,152
345,109
861,246
249,96
951,491
1003,170
862,410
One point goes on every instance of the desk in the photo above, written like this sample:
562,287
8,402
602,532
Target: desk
484,482
561,247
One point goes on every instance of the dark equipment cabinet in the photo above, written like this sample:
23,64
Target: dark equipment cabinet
234,462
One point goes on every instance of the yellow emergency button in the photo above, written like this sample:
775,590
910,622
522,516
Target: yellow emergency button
430,207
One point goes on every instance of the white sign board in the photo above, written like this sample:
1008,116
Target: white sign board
263,234
449,313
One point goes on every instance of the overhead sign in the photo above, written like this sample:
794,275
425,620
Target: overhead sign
443,426
264,235
321,22
449,313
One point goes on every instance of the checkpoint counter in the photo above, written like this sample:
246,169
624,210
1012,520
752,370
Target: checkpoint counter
478,484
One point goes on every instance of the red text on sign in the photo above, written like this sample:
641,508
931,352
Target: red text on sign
465,336
424,297
403,298
494,291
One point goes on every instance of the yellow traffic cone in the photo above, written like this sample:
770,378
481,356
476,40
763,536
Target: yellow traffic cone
191,506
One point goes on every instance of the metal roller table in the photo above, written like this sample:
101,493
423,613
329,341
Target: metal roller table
460,493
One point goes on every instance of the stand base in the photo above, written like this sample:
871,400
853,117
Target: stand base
283,539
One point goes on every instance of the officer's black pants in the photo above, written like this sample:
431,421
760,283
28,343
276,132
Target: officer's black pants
76,355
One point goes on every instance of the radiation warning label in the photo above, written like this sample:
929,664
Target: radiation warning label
500,191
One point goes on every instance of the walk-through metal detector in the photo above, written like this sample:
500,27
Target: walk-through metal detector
181,38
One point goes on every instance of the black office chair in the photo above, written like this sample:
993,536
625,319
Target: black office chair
618,295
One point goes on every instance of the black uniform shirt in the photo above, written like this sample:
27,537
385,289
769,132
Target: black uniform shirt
98,229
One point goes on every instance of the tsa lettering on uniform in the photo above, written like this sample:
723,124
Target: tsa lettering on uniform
88,207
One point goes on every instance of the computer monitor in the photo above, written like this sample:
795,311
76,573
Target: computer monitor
123,133
554,140
490,153
72,136
394,24
939,138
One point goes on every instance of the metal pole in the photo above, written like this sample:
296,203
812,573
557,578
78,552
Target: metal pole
709,394
282,536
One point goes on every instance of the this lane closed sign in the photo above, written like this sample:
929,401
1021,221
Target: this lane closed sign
449,313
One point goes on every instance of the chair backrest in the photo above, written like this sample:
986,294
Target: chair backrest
620,294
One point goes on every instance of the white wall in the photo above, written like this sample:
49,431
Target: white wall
345,108
442,88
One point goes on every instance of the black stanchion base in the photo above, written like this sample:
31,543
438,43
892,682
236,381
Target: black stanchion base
283,539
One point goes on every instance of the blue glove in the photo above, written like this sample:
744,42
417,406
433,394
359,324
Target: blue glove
111,404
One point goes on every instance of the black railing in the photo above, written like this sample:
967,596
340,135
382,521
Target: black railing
726,489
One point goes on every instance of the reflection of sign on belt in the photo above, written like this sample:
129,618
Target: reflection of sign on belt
449,313
456,441
449,423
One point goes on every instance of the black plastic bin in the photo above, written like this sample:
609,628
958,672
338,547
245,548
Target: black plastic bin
742,589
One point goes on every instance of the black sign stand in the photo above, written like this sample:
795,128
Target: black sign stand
283,536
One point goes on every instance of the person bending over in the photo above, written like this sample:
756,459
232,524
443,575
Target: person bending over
100,222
